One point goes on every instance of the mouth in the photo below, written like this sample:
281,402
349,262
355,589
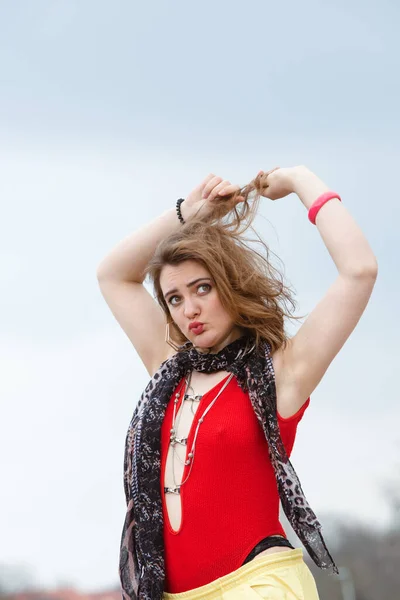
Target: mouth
197,330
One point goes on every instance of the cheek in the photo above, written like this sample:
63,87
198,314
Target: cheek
215,307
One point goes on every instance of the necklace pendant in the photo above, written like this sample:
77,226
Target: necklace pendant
182,441
193,398
175,440
174,490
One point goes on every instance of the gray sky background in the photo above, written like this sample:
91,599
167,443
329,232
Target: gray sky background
109,111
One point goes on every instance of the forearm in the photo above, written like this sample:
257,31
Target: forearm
342,236
128,259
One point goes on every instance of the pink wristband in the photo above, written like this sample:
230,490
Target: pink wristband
320,201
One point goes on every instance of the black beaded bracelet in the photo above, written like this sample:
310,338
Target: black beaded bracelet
178,210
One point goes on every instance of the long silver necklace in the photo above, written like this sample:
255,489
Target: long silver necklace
176,419
183,441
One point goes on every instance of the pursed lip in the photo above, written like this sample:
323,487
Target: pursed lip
195,324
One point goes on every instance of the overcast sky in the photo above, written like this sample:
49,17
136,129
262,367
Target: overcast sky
109,111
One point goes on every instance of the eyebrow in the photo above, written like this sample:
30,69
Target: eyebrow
174,290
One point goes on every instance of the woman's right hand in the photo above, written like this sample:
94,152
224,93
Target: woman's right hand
207,193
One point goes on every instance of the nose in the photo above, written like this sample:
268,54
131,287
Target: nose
190,309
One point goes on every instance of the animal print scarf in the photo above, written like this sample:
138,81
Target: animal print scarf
141,566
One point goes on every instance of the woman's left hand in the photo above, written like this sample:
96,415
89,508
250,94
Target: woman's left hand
277,183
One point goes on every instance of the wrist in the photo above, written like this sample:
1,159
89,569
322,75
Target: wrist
186,211
307,185
300,174
191,210
178,210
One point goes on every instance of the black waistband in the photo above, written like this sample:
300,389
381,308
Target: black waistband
268,542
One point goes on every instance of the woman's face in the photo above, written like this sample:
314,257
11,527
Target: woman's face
190,293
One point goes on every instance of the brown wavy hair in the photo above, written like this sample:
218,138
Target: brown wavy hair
250,288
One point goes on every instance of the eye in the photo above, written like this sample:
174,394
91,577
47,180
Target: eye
206,285
201,285
170,300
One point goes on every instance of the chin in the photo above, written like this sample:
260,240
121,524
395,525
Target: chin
204,340
203,343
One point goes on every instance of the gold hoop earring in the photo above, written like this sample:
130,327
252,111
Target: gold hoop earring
168,338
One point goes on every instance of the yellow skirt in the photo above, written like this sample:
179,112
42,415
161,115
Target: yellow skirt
277,576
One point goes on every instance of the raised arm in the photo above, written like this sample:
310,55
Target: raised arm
309,353
120,274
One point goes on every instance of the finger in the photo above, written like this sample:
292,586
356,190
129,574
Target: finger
215,192
264,177
266,173
209,177
203,184
229,189
211,185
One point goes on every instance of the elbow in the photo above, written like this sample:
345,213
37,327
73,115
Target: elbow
371,269
366,271
101,273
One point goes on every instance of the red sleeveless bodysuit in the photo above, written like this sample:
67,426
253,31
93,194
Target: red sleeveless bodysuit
230,501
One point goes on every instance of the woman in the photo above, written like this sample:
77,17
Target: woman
207,450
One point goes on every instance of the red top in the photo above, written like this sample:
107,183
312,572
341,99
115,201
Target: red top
230,501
